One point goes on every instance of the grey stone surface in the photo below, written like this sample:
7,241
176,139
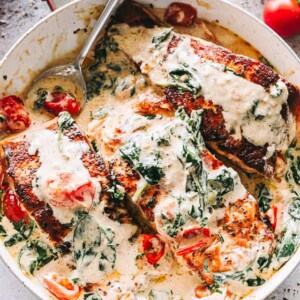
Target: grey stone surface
16,16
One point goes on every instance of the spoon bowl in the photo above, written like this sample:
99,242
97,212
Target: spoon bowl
73,72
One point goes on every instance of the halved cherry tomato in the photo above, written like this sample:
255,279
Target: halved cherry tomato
283,16
62,287
272,216
13,115
191,249
193,232
193,239
69,190
12,208
153,247
211,161
180,14
62,101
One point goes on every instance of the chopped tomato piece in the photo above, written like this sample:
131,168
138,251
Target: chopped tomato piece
272,216
153,247
62,101
194,239
13,115
12,208
62,287
180,14
70,190
193,232
191,249
211,161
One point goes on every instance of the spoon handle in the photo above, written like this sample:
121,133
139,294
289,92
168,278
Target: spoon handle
101,23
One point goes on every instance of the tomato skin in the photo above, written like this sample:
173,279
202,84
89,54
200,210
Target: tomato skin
61,287
153,247
62,101
14,116
180,14
271,214
191,249
11,207
199,234
64,193
190,233
283,16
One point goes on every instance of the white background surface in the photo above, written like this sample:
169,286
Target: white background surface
12,289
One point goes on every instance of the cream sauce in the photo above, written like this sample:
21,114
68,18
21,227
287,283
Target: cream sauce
126,280
245,105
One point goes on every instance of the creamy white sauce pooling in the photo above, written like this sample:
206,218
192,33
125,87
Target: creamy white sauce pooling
248,109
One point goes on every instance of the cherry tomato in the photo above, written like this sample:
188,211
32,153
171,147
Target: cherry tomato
193,232
191,249
69,190
283,16
211,161
272,216
13,115
62,287
62,101
193,239
180,14
153,247
12,208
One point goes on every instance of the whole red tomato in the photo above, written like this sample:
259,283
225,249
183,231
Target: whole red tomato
283,16
180,14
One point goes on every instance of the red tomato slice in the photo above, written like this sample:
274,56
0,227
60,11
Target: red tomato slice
68,190
193,232
180,14
272,216
153,247
283,16
62,101
191,249
62,287
197,236
11,207
13,115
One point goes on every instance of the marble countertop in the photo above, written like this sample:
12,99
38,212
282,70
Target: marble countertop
17,16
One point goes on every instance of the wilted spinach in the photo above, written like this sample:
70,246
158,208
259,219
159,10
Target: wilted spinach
185,80
221,185
264,198
86,241
157,40
34,255
24,228
294,208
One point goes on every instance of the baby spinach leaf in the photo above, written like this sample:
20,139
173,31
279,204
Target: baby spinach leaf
41,98
24,229
108,251
264,198
2,231
86,241
255,282
92,296
157,40
294,209
34,255
287,245
185,80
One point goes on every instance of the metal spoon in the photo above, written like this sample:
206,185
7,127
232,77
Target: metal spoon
73,71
